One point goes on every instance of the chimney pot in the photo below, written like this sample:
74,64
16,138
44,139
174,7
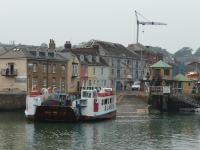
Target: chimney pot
67,45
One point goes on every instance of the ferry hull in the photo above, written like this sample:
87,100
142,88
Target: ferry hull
109,115
64,114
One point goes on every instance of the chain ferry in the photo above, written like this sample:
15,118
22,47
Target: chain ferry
47,105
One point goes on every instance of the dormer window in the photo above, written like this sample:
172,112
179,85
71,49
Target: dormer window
81,57
97,58
37,52
55,53
90,58
46,52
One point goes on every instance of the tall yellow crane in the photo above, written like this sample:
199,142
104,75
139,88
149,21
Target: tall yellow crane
145,23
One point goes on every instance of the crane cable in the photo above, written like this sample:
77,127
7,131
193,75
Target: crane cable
142,16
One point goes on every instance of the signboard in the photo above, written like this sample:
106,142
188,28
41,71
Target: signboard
163,83
166,89
20,79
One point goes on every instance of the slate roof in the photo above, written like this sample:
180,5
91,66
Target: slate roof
181,78
189,68
42,49
140,47
23,51
161,64
114,49
168,59
84,52
4,49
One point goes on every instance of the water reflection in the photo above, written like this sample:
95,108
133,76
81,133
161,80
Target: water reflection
135,131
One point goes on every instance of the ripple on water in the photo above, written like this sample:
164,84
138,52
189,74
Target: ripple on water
126,131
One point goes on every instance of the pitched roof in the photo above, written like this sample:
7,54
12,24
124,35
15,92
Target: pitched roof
18,52
182,78
161,64
23,51
85,61
139,47
4,49
114,49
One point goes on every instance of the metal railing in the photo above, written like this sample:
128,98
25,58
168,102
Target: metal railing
186,99
9,73
159,89
180,90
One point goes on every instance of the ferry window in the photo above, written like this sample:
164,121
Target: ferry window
102,102
105,108
105,101
87,94
110,100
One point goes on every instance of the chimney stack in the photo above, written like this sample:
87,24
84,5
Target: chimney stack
52,44
131,45
67,45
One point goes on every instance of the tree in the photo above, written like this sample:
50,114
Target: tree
197,53
59,48
79,45
44,45
159,49
185,51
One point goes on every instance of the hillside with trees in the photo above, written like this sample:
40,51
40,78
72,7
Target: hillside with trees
159,49
185,51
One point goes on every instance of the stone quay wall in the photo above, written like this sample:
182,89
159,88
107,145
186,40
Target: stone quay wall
12,101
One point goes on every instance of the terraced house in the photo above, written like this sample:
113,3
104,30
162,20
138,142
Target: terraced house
122,62
30,66
94,71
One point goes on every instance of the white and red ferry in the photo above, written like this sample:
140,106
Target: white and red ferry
54,106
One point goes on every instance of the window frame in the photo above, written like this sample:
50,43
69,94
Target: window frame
34,67
53,81
44,81
45,68
166,72
54,68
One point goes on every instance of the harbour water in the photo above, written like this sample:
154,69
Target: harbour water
129,130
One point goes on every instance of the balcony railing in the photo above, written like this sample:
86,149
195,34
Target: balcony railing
9,73
74,75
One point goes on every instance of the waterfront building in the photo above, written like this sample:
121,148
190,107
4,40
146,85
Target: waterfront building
147,56
94,71
30,66
183,84
122,62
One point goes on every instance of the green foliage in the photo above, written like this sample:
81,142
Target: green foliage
197,53
160,50
44,45
59,48
185,51
79,45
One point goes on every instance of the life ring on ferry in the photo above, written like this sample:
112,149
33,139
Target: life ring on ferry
153,88
11,84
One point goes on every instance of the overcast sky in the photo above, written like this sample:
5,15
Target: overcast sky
37,21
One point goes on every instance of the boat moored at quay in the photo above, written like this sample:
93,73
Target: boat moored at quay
53,106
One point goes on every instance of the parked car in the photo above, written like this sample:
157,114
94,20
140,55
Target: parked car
136,86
